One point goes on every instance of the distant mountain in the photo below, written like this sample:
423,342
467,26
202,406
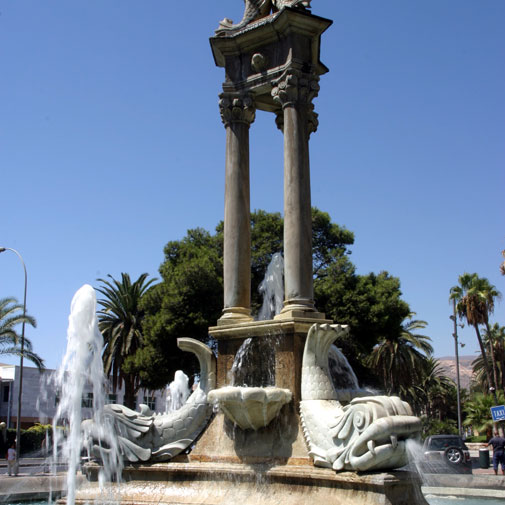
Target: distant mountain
448,364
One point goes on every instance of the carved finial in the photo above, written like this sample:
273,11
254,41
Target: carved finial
257,9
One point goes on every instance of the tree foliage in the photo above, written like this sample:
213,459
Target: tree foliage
11,316
475,298
399,356
478,411
189,299
184,304
432,393
120,322
494,339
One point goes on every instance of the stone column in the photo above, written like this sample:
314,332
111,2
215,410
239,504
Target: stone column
294,91
237,113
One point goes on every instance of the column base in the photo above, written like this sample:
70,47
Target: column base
235,315
299,308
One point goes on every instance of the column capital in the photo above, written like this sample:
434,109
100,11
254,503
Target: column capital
296,89
236,109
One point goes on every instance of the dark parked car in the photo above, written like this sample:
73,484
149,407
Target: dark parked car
445,454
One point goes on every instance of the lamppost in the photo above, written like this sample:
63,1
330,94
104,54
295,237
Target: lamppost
18,423
455,335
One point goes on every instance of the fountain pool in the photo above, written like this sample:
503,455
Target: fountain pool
454,500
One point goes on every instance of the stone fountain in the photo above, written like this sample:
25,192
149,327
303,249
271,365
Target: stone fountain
292,434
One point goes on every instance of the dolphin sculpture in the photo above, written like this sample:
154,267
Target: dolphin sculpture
349,428
257,9
144,435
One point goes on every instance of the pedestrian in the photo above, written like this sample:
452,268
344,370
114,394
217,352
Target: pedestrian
498,444
11,459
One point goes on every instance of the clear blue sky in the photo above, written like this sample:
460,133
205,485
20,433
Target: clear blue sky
111,144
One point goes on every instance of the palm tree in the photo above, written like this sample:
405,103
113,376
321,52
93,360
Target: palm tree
398,357
120,322
479,377
474,302
11,315
488,293
477,410
494,338
436,388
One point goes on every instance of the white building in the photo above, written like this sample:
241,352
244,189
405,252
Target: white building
40,397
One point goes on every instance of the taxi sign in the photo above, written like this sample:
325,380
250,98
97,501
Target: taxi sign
498,413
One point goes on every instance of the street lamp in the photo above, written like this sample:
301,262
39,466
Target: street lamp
18,423
455,335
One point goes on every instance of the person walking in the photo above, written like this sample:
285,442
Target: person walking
498,444
11,459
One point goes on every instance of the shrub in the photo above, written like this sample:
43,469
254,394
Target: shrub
436,427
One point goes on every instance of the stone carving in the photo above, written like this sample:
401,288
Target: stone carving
259,62
296,89
250,407
236,109
257,9
348,429
147,436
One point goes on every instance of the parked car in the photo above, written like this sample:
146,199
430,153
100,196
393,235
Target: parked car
445,454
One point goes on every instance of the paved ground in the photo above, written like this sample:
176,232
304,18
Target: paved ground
33,481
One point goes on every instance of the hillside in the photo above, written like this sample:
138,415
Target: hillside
448,363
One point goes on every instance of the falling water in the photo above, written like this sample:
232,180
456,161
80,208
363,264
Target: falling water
272,288
414,452
177,392
81,367
254,363
341,372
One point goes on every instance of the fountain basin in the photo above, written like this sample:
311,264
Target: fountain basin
250,408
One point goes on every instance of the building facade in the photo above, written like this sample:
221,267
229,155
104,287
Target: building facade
40,397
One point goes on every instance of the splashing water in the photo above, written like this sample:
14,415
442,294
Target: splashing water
177,392
254,363
414,452
81,367
272,288
341,372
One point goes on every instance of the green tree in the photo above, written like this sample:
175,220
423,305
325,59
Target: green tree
433,393
436,426
488,294
189,299
494,339
11,316
478,411
474,302
495,335
120,322
399,356
370,304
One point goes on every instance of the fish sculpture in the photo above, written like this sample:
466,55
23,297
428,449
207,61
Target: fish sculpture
348,428
257,9
144,435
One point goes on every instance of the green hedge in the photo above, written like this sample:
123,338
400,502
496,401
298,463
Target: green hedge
33,440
